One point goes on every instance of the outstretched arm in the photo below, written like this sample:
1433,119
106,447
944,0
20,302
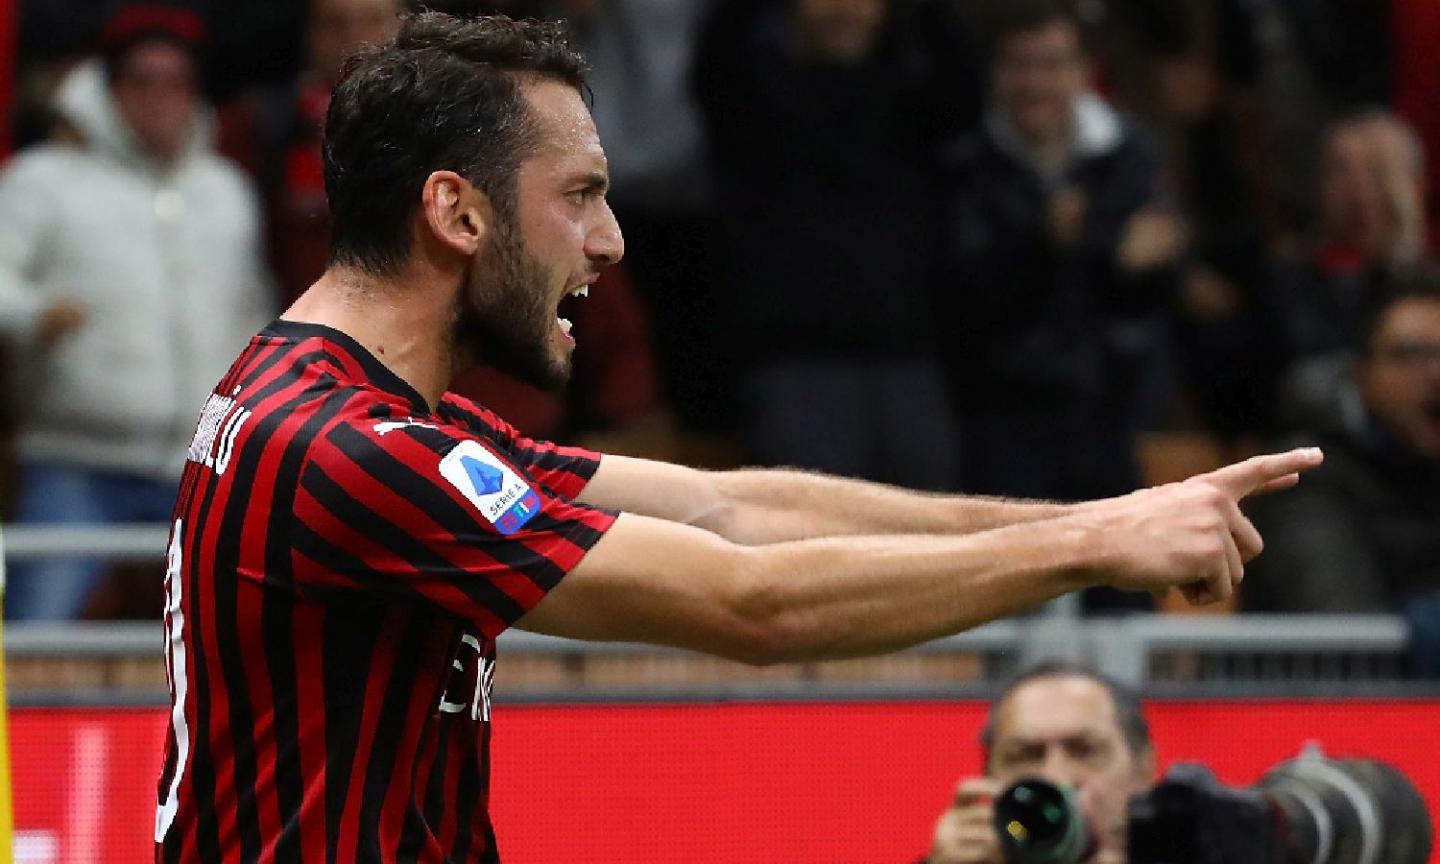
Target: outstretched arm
651,580
760,506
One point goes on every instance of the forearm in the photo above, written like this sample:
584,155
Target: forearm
672,583
662,582
856,596
759,506
770,506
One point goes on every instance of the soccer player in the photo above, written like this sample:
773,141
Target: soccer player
349,540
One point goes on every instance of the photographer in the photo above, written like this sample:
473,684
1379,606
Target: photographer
1070,725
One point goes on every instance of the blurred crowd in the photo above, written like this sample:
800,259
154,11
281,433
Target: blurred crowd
1015,247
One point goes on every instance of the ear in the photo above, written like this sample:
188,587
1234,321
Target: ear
1145,768
457,214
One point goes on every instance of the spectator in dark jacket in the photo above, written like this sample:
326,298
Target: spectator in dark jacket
1362,533
818,113
274,133
1372,226
1063,272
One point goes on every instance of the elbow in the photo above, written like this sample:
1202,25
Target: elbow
760,650
763,632
717,514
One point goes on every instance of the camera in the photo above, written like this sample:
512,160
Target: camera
1308,810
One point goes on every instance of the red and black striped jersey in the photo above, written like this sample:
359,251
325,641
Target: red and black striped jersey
341,561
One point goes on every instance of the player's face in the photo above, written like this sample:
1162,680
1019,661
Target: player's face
1065,730
552,248
1401,377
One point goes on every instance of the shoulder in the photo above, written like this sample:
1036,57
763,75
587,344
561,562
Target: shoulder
463,406
44,163
378,436
1126,144
1135,141
418,470
471,415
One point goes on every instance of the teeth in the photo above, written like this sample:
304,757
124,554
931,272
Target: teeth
582,291
565,325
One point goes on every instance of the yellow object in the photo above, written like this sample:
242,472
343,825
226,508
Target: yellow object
7,819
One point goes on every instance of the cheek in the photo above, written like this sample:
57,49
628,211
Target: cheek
548,233
1386,391
1111,790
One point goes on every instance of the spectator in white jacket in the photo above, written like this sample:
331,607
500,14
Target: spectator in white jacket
130,274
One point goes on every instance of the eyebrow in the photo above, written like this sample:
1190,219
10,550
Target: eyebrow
1075,737
595,181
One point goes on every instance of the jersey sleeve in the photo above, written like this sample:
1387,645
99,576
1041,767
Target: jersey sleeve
565,470
434,516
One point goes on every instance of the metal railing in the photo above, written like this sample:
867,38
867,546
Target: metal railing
129,542
1323,654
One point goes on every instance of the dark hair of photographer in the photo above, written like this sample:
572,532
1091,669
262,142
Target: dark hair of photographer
1067,724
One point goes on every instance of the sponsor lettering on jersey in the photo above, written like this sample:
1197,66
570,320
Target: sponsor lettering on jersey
471,683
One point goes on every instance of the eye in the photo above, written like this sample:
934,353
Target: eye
1022,756
1087,750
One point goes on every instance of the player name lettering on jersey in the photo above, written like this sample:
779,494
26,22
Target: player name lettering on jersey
215,434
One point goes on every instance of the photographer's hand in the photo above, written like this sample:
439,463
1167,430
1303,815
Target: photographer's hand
965,833
1111,834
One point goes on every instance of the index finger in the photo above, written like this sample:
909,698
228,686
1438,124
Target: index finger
976,790
1259,472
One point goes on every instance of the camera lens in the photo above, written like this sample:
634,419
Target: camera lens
1041,823
1349,811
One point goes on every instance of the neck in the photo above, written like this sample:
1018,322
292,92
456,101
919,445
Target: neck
403,319
1051,155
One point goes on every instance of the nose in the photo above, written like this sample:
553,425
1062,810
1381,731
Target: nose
1059,768
605,244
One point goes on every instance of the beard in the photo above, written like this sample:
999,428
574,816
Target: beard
506,319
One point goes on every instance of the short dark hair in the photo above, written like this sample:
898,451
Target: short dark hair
1420,283
1025,16
1128,712
445,95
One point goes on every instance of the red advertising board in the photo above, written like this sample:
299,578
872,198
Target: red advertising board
796,782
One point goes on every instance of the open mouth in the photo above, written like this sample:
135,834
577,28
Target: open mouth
564,306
